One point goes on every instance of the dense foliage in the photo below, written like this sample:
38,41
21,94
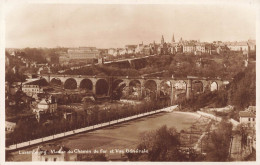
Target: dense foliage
100,70
218,148
241,93
242,90
215,99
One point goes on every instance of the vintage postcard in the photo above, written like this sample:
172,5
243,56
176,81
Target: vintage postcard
150,81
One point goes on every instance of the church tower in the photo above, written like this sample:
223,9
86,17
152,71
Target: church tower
173,40
162,40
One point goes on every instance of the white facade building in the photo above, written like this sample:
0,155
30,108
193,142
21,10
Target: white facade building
31,90
247,117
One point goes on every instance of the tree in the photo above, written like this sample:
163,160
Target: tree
242,130
218,150
162,145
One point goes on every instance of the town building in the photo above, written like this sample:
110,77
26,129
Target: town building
103,52
88,54
9,126
247,116
83,53
130,49
251,45
112,51
164,48
154,48
46,105
32,90
189,48
33,87
121,51
237,46
139,48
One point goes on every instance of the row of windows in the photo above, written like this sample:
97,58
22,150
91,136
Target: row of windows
54,159
31,86
249,119
31,90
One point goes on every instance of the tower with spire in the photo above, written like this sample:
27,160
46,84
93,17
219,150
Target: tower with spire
173,40
162,40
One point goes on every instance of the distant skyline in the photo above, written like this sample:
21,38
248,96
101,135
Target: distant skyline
105,26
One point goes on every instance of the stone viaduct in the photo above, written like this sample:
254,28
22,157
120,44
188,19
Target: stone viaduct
109,83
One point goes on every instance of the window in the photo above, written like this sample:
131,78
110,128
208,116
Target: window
249,119
253,119
54,159
46,159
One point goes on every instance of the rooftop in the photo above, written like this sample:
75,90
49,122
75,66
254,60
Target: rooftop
246,114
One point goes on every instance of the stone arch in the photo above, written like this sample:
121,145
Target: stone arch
180,88
118,89
135,89
102,87
214,86
70,83
165,88
166,92
197,87
150,88
86,84
181,85
56,81
117,83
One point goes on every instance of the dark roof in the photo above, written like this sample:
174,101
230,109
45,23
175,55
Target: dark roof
41,82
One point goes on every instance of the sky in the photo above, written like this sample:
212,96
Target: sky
116,25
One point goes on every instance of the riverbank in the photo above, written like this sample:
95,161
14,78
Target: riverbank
85,129
120,136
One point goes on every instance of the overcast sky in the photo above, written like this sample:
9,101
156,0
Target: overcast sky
104,26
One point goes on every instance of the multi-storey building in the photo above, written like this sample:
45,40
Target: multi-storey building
251,45
130,49
47,105
247,117
112,51
83,53
237,46
189,47
31,89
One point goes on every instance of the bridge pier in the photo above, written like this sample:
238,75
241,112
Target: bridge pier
94,87
189,89
206,87
172,93
158,91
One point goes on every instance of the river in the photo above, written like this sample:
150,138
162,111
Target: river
121,136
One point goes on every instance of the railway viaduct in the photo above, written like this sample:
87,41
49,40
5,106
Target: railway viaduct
109,83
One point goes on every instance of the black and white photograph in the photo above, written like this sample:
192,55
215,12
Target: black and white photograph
106,81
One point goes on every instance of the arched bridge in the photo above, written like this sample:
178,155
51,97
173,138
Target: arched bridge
104,85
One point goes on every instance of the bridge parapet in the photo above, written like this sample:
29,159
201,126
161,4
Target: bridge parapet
136,77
